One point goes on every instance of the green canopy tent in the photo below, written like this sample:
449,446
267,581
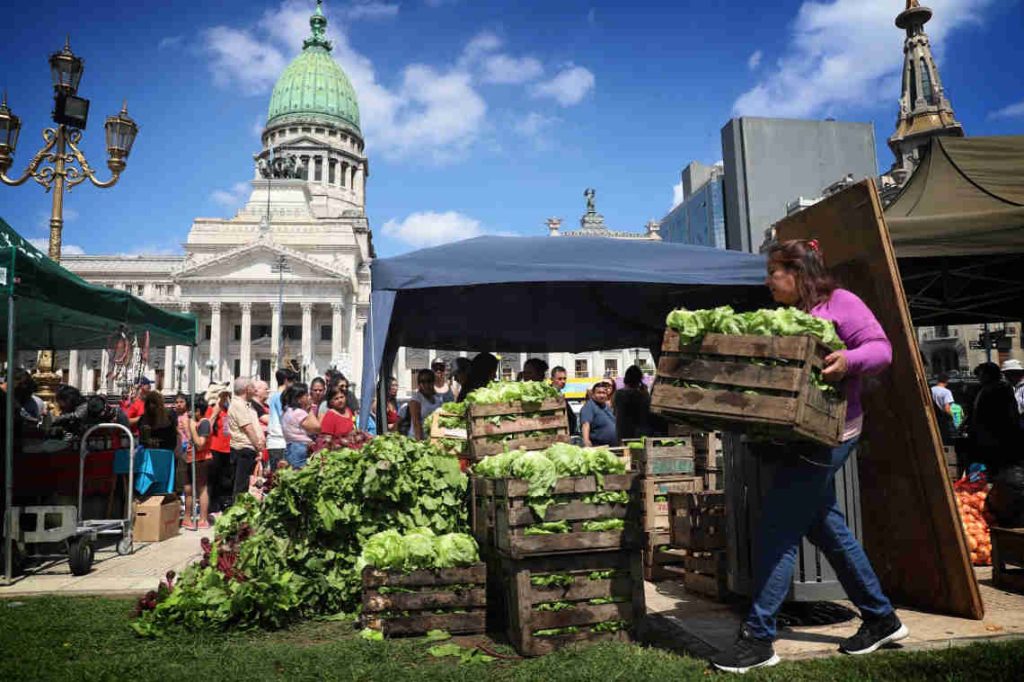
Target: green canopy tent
50,308
958,230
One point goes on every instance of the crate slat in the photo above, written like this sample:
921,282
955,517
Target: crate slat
420,601
767,347
516,407
476,573
474,622
481,447
731,372
412,613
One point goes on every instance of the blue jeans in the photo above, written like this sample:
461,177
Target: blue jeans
802,501
297,454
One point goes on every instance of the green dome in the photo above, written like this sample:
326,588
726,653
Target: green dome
314,85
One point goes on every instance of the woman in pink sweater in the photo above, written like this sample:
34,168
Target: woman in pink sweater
802,500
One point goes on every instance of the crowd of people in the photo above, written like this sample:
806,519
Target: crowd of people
985,421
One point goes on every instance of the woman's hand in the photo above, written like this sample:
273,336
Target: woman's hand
835,367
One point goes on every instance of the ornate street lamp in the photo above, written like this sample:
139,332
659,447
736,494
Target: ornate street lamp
54,166
179,365
211,365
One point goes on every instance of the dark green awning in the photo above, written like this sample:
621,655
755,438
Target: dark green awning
57,309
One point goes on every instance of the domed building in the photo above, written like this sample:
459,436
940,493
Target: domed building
284,281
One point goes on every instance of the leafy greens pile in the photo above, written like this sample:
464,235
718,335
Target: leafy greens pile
543,468
692,325
418,548
511,391
294,555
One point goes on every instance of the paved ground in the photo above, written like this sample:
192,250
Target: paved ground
114,575
702,627
679,620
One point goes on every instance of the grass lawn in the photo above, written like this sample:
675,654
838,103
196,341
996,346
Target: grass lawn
59,638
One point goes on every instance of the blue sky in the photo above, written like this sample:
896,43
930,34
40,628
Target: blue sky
480,117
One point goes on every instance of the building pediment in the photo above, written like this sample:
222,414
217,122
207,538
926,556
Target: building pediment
256,262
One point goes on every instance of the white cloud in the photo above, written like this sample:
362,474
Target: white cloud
428,228
371,9
569,87
501,68
232,197
65,248
754,60
239,58
535,124
677,194
1011,111
170,42
845,53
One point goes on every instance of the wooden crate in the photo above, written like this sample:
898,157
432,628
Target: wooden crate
662,456
705,572
708,585
1008,548
661,562
787,403
508,506
524,598
713,479
655,511
439,433
697,520
413,613
481,512
510,426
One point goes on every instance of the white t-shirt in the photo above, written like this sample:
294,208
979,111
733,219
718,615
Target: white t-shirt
942,397
427,407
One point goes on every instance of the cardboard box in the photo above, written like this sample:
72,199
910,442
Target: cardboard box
156,518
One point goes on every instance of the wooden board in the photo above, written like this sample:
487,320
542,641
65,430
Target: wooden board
911,529
527,426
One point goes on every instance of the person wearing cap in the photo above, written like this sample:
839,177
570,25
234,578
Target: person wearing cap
1013,370
442,387
137,408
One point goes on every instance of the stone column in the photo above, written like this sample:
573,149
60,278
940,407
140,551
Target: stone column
596,364
73,375
358,186
104,369
185,354
169,371
245,350
337,331
324,169
275,340
215,337
307,335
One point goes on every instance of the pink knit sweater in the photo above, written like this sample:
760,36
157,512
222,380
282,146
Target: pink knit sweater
868,349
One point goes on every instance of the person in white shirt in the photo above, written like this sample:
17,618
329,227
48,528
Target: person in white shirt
1013,370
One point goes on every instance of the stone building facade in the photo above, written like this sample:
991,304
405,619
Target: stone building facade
286,280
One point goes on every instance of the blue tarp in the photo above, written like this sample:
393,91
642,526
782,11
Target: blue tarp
542,294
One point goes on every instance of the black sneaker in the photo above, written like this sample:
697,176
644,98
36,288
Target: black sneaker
875,633
747,653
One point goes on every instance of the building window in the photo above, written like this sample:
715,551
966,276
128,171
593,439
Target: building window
926,83
332,168
581,368
260,331
506,373
237,366
326,332
319,131
238,332
292,332
208,332
344,172
307,130
611,367
318,169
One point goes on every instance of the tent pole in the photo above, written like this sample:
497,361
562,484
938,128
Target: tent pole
9,434
192,412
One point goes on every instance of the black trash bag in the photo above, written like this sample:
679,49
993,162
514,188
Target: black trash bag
1006,499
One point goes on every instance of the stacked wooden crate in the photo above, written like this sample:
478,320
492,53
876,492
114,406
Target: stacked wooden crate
665,465
550,590
709,456
495,428
416,602
697,535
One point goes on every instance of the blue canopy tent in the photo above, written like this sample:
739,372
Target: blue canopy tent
534,294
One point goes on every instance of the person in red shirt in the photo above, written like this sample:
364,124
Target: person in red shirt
136,407
222,473
339,421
